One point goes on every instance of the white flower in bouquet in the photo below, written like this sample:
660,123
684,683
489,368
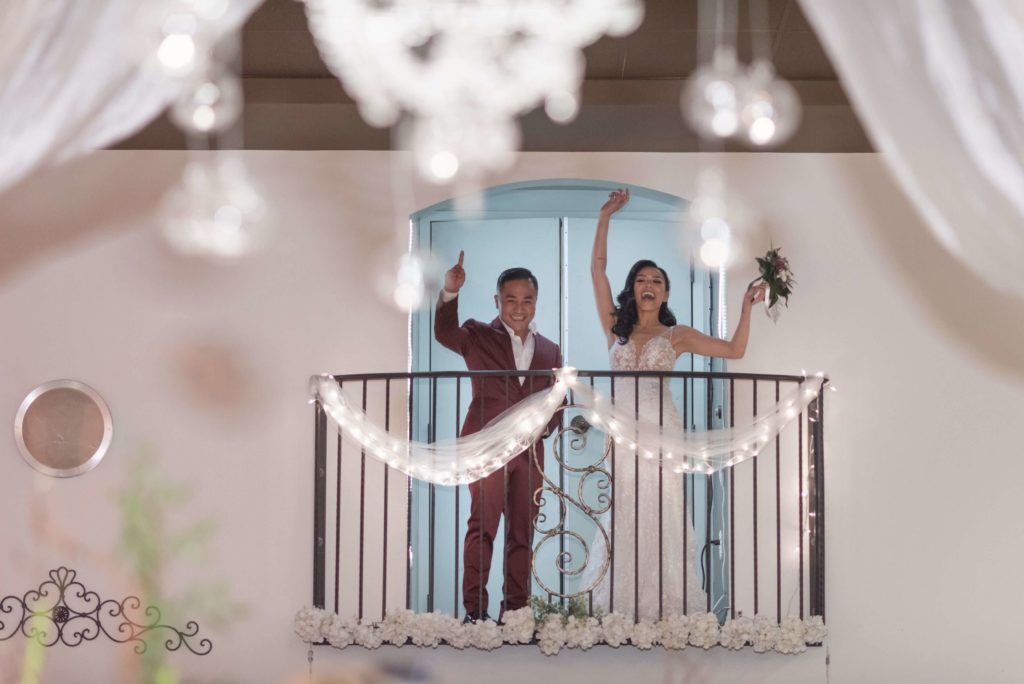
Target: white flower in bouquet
309,624
519,626
816,631
428,629
582,633
616,628
645,635
368,635
704,630
551,634
791,638
485,635
766,633
737,633
340,632
674,632
397,626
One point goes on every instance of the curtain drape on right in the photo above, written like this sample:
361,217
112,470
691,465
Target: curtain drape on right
939,86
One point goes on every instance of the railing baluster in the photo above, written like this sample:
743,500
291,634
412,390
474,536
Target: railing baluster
732,508
337,521
800,502
817,507
384,568
455,594
590,593
636,507
362,510
611,548
409,558
320,507
432,502
661,521
755,460
504,512
480,607
778,518
687,519
708,498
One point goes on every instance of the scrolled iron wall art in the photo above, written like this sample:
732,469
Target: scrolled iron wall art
63,611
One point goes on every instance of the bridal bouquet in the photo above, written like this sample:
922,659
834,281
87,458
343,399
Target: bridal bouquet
776,273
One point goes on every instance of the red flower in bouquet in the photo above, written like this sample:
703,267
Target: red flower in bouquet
776,273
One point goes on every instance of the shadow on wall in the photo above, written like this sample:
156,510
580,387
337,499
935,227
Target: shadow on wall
988,322
56,207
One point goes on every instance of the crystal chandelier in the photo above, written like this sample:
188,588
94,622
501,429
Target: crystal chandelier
727,100
460,71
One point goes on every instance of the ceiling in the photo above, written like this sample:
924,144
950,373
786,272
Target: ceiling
630,96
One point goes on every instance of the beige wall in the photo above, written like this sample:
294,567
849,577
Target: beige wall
206,366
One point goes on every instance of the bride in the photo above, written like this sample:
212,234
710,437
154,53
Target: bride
642,335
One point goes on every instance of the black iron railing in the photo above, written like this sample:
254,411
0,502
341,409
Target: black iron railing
383,540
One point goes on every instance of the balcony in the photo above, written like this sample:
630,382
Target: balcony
750,544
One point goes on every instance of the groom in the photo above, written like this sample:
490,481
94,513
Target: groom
509,342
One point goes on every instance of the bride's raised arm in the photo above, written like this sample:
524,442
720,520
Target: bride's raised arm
686,339
599,262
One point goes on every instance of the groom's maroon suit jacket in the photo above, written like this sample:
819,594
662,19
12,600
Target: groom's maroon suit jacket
487,346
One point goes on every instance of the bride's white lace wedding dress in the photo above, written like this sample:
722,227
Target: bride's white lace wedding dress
634,535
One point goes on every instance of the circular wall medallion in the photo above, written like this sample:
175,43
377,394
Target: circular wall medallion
63,428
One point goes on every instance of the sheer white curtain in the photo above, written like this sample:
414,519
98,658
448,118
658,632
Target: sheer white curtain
939,85
74,78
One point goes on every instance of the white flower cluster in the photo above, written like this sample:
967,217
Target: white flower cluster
551,635
645,635
792,635
485,635
309,624
674,632
518,626
582,633
704,630
555,632
616,629
766,633
737,633
816,630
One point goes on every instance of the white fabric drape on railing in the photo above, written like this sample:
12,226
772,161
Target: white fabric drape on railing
73,78
467,459
940,88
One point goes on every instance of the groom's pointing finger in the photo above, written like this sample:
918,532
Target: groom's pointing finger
462,254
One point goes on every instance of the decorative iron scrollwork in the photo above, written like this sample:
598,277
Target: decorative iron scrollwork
576,432
63,611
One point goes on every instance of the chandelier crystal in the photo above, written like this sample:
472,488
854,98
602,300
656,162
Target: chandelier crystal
459,71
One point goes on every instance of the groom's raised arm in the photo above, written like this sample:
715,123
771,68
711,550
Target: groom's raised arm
447,330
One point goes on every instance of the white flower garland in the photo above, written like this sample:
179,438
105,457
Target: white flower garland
555,632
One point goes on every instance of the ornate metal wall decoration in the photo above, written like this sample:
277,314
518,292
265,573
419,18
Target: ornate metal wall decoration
63,611
576,432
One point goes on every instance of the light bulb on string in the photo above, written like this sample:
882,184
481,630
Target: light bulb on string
770,108
208,105
406,280
179,36
215,211
716,224
711,99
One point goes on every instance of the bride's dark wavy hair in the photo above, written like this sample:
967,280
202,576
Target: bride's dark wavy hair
626,314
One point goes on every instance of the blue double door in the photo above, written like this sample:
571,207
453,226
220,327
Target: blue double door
550,230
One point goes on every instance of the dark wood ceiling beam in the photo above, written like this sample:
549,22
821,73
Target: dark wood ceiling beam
619,115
